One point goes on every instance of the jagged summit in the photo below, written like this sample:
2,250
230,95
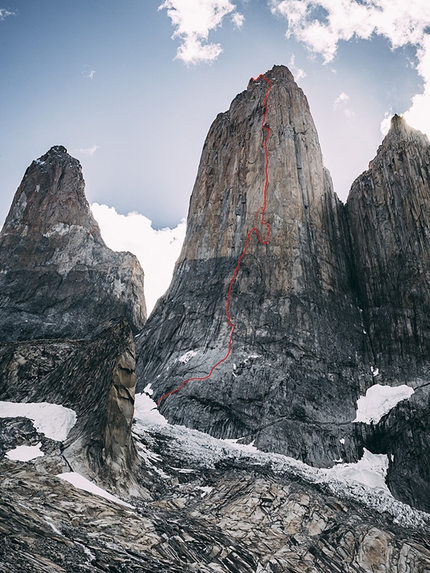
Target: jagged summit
276,73
401,132
58,277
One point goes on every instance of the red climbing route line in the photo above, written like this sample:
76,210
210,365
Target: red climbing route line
262,211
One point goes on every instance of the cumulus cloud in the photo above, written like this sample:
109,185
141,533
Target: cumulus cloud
193,20
5,13
322,24
418,115
157,250
89,150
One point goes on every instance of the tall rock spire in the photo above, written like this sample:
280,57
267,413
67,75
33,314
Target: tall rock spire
297,328
58,278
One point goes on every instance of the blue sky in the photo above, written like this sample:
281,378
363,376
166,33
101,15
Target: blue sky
101,78
107,80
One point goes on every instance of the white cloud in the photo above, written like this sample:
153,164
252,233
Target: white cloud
88,151
238,19
340,103
88,72
322,24
297,72
193,20
342,99
418,115
5,13
386,122
157,250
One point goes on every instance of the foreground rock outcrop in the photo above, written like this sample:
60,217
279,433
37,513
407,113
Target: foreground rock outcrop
58,279
96,380
209,510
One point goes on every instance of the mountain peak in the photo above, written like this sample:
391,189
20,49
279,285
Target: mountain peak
58,276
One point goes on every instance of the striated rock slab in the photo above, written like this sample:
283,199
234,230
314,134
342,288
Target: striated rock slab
237,517
295,369
58,279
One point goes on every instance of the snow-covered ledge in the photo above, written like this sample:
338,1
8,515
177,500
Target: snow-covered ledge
379,400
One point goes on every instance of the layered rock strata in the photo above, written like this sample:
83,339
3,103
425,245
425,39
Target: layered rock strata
294,373
58,279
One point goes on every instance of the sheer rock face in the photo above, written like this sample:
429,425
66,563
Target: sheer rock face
58,278
389,217
293,376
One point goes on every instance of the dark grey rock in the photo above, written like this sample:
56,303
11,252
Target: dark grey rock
96,379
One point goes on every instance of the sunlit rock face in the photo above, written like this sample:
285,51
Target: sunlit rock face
58,278
293,375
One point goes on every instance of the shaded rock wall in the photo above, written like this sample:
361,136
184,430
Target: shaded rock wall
389,218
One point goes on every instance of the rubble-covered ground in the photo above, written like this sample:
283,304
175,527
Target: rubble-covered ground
211,506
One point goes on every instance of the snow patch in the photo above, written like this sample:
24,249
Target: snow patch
187,356
50,419
25,453
205,489
370,471
243,447
363,482
145,410
379,400
61,229
148,389
83,483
